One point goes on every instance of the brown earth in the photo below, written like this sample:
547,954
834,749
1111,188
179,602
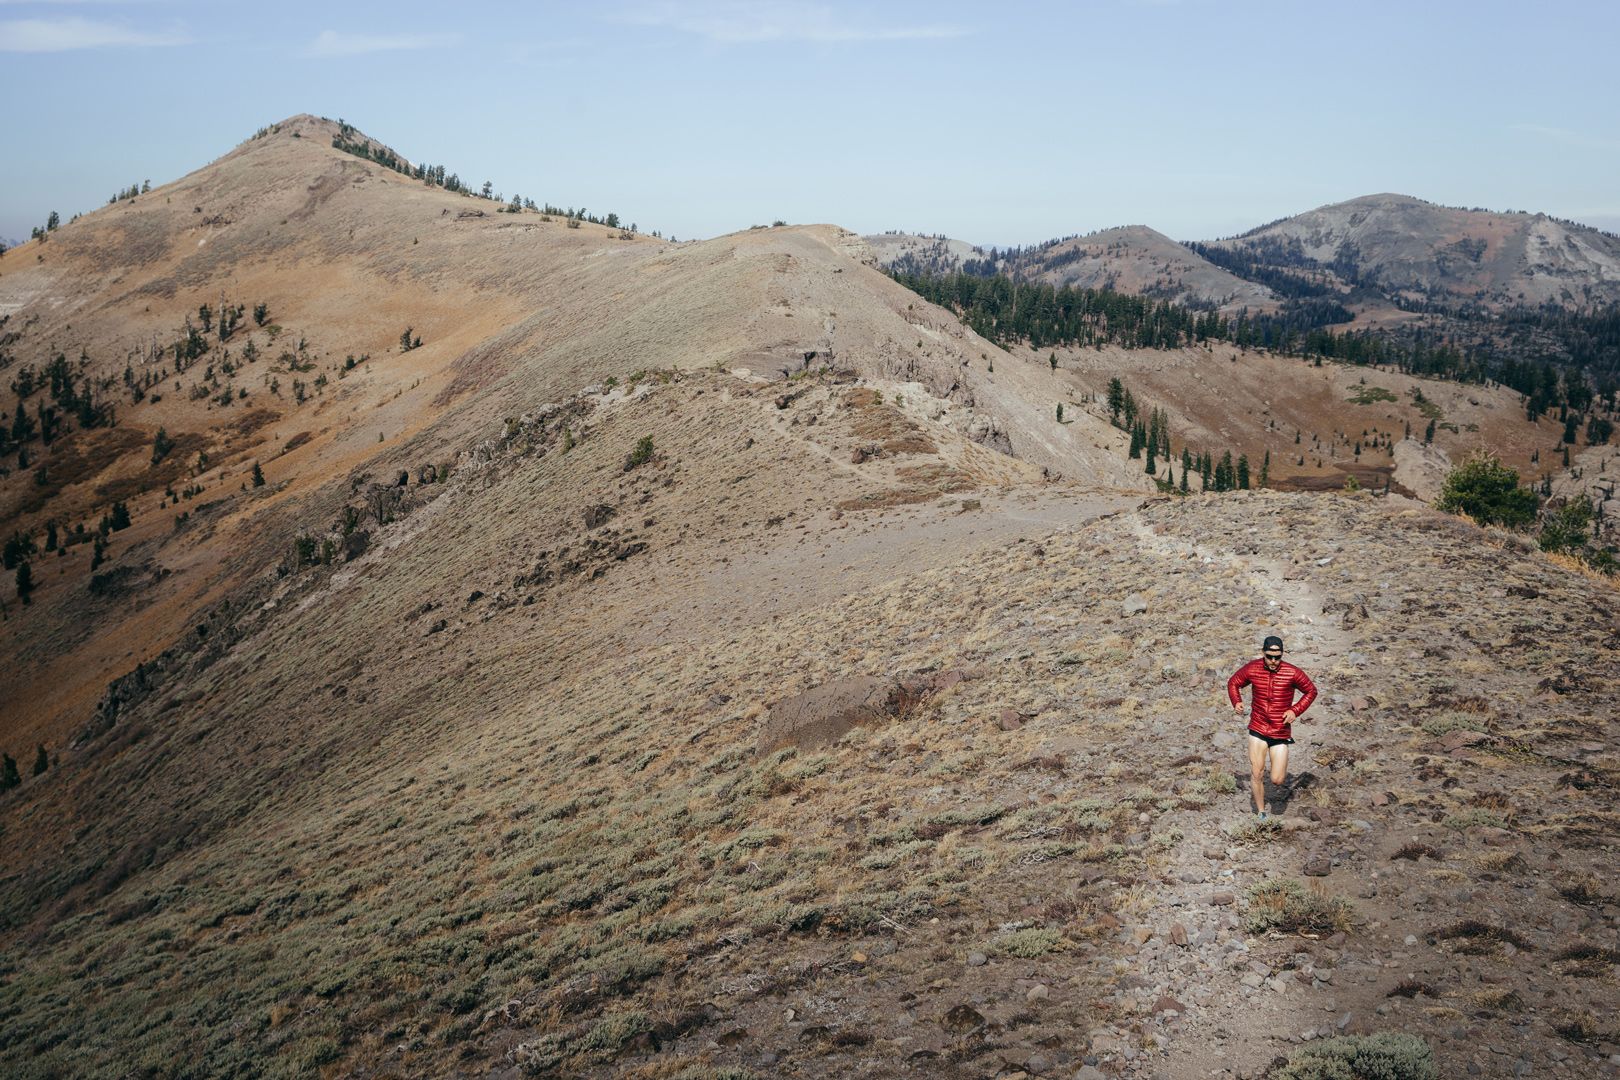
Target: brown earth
540,762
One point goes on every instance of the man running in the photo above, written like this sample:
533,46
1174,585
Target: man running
1272,718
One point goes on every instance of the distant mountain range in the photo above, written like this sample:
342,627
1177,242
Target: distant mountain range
1374,252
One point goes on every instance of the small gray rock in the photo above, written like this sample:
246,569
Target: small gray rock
977,959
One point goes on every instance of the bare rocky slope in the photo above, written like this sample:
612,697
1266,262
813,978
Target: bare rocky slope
654,698
1131,259
1372,252
1418,249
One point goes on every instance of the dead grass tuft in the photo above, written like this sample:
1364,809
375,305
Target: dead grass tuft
1411,988
1498,998
1257,833
1582,1027
1481,937
1588,961
1415,851
1587,891
1287,906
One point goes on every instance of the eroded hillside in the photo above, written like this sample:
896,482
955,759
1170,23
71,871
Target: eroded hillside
312,265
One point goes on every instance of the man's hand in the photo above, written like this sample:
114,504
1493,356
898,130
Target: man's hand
1289,717
1238,708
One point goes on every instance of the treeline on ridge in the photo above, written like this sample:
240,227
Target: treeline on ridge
1006,311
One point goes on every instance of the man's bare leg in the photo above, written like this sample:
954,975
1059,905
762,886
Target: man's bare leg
1279,764
1257,772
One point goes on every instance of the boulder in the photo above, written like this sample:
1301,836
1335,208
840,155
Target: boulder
963,1019
821,716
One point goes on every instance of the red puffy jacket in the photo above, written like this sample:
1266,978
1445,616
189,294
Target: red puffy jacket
1273,695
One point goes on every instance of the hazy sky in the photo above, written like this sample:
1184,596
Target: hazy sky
999,123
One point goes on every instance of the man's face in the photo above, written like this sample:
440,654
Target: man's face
1272,657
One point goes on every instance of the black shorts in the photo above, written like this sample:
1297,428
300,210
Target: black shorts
1253,734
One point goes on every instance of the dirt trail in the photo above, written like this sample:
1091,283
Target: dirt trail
1298,604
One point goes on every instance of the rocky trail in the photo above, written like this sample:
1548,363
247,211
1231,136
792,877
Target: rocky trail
1400,888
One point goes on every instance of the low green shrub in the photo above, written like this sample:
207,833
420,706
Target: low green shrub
1027,944
1384,1056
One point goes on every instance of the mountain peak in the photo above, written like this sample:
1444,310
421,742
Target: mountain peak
326,131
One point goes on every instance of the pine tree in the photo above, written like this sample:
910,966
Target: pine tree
1136,442
1428,434
1243,472
161,445
9,777
1060,412
22,428
25,582
1184,488
1053,361
42,761
1265,469
1116,399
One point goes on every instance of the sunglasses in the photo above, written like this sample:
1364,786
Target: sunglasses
1272,655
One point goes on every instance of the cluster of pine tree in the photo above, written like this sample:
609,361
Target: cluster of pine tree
52,222
1004,310
1150,441
437,176
130,192
11,777
72,395
1259,262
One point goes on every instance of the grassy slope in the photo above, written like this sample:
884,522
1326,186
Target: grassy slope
350,840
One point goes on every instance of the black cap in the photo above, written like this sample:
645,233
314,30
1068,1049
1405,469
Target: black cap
1270,641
